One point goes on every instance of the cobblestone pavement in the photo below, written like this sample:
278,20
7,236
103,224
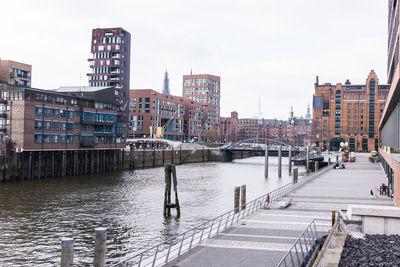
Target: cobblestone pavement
263,238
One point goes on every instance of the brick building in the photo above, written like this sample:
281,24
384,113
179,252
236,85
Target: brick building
204,89
348,113
63,119
150,110
15,73
110,62
233,129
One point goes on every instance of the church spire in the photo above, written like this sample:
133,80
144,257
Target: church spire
166,84
308,114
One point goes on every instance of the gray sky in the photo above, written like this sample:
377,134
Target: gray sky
266,48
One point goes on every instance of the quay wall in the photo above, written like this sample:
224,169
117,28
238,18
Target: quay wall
30,165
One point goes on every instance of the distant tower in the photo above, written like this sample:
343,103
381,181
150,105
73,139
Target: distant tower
308,114
291,115
166,84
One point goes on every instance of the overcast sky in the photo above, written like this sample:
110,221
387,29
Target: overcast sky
266,48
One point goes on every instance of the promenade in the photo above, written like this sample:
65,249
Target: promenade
263,238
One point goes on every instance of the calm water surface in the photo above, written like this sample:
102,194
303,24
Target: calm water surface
34,215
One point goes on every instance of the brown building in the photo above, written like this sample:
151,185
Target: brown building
110,62
15,73
348,113
150,110
233,129
63,119
194,120
204,89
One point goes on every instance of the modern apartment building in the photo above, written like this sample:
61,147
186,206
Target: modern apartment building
15,73
204,89
63,119
110,62
152,114
389,125
348,113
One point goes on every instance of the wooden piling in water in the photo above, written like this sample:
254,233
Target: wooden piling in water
169,170
67,252
236,197
100,247
295,175
243,196
30,174
280,161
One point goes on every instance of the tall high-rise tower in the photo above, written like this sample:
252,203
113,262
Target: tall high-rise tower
110,63
204,89
166,84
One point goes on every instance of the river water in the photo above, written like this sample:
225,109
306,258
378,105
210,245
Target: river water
34,215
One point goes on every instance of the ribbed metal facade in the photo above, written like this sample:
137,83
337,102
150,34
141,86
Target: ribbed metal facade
390,132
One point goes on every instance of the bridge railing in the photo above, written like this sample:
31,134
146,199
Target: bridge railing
175,246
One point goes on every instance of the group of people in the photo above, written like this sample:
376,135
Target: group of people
337,166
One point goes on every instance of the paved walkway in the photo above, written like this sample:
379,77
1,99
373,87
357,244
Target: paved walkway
263,238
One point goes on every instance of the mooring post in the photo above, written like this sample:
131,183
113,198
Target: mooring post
308,159
163,159
202,153
316,165
175,181
167,193
329,160
280,161
295,175
333,217
52,164
154,157
30,172
180,155
236,199
100,246
143,158
337,159
123,159
64,163
266,162
22,166
243,196
67,252
290,160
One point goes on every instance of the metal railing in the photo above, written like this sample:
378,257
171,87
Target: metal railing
302,250
175,246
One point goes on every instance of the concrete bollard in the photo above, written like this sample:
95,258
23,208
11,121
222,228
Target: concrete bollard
316,165
295,175
266,162
236,199
290,160
67,252
100,247
329,160
280,161
243,196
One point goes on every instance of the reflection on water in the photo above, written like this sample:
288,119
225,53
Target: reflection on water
36,214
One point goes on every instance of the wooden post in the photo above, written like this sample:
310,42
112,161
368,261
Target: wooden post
172,155
236,199
175,181
180,155
333,217
30,174
67,252
154,157
316,165
329,161
22,166
76,163
295,175
243,196
45,164
266,161
202,153
290,160
130,157
100,247
163,160
52,164
86,162
280,161
143,158
123,159
104,161
337,159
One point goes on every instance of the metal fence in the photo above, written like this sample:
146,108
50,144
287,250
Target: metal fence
175,246
302,250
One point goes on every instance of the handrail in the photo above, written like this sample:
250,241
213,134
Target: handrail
300,253
173,247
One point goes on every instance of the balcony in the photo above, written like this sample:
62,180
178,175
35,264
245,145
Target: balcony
3,114
115,71
3,129
3,101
